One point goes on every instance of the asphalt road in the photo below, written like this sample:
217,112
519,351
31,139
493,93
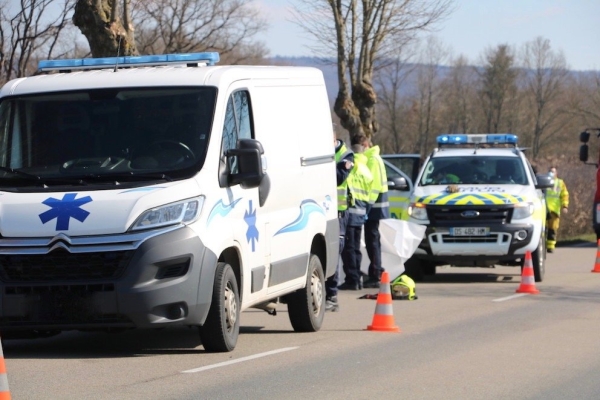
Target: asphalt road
468,336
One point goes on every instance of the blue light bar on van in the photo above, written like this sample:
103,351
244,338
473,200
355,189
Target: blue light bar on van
492,138
209,58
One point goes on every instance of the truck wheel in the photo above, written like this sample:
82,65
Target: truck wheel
538,259
428,267
306,306
413,268
222,326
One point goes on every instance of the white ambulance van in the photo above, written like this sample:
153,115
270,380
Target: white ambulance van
159,191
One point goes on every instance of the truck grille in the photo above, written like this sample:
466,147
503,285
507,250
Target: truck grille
480,215
62,266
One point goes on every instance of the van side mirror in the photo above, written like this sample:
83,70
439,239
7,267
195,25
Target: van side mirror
544,181
246,162
583,152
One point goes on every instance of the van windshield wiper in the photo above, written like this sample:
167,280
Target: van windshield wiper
20,173
125,177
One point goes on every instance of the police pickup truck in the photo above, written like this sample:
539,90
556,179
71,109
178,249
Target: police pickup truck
482,203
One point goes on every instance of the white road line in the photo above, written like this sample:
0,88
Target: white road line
514,296
239,360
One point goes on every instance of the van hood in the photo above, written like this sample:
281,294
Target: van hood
82,213
472,194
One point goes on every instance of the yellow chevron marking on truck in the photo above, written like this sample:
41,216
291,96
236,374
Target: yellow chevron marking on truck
463,199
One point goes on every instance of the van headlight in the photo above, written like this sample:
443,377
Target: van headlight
417,211
185,212
522,210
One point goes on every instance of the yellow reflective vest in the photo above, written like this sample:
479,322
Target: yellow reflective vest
557,196
380,205
359,182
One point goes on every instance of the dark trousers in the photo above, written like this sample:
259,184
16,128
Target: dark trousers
373,245
351,255
332,282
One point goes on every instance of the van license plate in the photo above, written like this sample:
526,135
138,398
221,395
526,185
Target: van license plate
469,231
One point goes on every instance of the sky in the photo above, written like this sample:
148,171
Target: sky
571,26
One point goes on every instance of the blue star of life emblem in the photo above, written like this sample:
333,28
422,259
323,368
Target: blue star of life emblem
65,209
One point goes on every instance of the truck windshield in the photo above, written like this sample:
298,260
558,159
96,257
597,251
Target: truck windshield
474,170
105,133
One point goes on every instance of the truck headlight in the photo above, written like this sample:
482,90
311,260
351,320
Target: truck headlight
522,210
186,211
417,211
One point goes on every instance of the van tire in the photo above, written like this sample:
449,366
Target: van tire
306,306
222,326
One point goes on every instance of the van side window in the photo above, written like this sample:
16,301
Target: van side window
238,123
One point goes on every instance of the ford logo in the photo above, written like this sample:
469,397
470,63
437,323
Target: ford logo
470,214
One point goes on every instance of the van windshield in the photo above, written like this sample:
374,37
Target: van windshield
474,170
91,135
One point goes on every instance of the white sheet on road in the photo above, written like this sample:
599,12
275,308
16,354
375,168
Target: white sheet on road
399,240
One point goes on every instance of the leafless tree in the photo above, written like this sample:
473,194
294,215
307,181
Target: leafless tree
29,31
428,88
458,96
544,80
185,26
390,80
497,84
359,33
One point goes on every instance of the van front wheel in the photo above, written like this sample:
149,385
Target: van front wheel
222,326
306,306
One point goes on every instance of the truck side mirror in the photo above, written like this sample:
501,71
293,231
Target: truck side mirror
583,152
544,181
584,137
397,183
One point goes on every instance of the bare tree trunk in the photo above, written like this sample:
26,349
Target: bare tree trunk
108,32
365,31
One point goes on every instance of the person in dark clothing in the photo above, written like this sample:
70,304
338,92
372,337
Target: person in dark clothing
344,162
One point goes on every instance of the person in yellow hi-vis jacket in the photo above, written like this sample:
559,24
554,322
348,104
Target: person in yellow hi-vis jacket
359,181
557,201
379,209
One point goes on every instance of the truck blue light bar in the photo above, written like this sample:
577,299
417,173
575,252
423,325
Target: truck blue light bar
208,58
484,138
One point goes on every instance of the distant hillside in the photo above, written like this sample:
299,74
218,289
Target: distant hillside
329,69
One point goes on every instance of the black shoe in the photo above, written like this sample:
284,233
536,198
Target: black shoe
331,304
371,283
550,250
348,286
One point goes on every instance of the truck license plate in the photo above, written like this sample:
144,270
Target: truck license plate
469,231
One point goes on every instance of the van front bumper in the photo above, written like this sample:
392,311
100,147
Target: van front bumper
143,280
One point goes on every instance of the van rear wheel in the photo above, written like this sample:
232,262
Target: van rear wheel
306,306
222,326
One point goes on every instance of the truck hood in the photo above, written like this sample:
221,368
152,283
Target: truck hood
86,212
472,194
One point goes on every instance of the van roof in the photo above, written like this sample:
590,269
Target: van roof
179,75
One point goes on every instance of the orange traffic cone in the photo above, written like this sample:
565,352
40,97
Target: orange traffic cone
383,320
527,277
597,265
4,392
